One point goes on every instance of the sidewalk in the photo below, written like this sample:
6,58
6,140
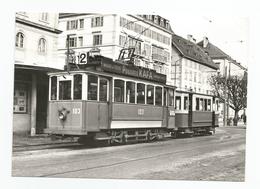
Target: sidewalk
40,139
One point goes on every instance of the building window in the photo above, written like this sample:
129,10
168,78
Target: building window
97,22
19,42
80,41
73,42
72,24
42,45
81,23
97,40
133,43
20,98
44,16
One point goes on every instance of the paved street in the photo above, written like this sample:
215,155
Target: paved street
218,157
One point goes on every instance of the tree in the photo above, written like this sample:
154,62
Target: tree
236,91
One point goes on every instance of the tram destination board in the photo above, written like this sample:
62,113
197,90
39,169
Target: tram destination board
133,71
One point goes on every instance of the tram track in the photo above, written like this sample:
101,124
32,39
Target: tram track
130,160
107,155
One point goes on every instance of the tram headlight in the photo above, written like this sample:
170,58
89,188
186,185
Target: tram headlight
63,114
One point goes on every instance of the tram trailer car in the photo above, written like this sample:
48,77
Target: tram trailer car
195,113
94,103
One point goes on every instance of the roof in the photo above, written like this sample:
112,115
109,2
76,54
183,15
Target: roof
67,15
213,51
192,51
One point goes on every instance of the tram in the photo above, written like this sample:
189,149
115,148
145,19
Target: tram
117,102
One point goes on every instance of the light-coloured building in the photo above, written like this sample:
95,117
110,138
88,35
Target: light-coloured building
35,54
227,67
149,35
191,66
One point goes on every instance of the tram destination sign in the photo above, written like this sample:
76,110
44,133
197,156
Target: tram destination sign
133,71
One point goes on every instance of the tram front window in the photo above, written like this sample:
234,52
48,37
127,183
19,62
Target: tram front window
150,94
92,87
119,86
65,90
77,87
158,96
54,88
103,90
140,93
130,92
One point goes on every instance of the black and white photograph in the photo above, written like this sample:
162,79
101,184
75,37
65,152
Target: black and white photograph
155,96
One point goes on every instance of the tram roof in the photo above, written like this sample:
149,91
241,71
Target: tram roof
191,92
106,65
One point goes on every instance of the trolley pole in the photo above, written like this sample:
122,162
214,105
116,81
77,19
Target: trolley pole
228,77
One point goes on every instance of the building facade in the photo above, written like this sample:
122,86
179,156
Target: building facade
149,35
191,66
227,67
35,54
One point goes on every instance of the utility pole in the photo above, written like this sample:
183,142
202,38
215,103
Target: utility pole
228,77
225,98
68,51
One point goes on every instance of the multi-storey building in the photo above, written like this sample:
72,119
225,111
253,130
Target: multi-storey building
191,66
35,54
224,61
149,35
227,67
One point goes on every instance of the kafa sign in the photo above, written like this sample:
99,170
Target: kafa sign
133,71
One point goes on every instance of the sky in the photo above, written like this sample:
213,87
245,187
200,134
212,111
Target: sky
230,34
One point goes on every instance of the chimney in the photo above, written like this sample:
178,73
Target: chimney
191,38
205,42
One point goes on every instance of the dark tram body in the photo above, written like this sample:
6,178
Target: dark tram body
116,102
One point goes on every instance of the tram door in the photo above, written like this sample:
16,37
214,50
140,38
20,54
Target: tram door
190,111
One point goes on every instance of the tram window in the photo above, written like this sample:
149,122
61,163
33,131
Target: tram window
171,97
130,92
77,87
158,96
150,94
54,88
65,90
217,105
92,87
209,105
186,103
205,105
178,103
165,97
103,90
140,93
197,104
201,104
119,86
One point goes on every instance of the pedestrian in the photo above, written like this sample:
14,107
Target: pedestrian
244,118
